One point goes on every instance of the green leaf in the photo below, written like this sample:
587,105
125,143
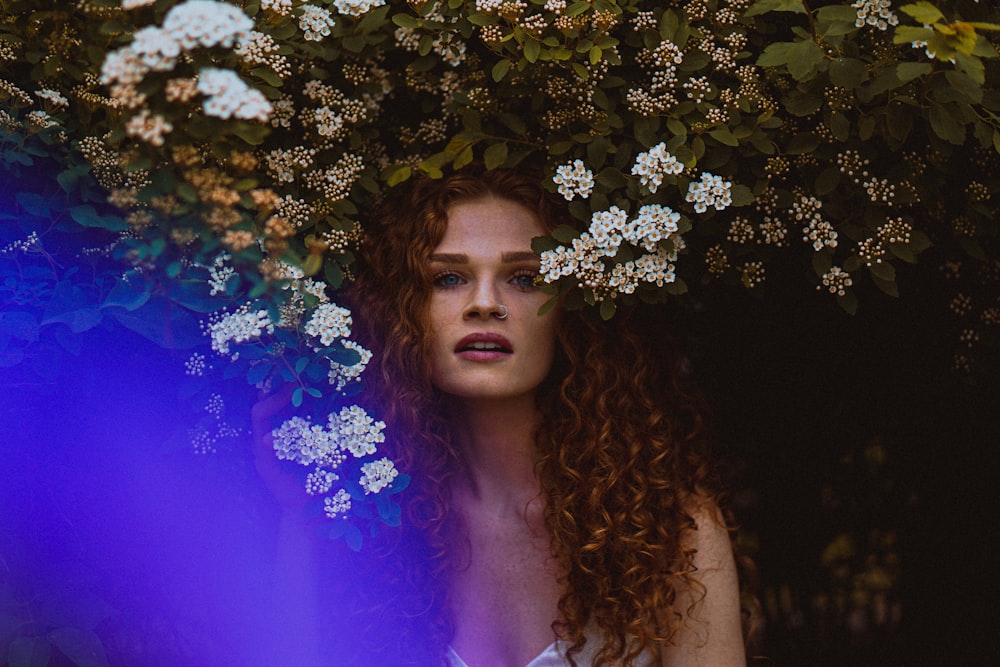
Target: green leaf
775,55
608,308
888,286
766,6
945,125
840,127
495,155
909,71
884,271
923,12
464,158
742,195
837,14
564,234
849,302
125,295
847,72
34,204
87,216
804,59
297,397
799,103
532,49
500,69
723,135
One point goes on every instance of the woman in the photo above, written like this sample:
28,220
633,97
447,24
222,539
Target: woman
561,511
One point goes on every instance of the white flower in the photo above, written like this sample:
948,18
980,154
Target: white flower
134,4
377,475
574,179
303,442
320,481
239,327
341,375
329,322
356,7
653,224
652,165
148,127
219,274
711,190
337,505
229,97
53,97
356,431
316,22
207,23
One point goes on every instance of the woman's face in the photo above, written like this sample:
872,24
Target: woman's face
484,267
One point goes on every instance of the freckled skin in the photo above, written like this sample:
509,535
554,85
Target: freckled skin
466,296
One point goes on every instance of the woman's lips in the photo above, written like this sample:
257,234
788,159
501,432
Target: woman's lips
483,347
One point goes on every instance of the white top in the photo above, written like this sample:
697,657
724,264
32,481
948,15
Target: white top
555,656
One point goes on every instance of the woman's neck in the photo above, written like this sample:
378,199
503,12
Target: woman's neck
497,441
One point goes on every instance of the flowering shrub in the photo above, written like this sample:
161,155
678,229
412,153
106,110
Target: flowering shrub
228,152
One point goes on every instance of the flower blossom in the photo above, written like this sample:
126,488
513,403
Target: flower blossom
329,322
356,7
712,191
239,327
377,475
229,97
574,179
315,23
652,165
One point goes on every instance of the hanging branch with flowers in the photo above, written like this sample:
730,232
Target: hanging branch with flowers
696,142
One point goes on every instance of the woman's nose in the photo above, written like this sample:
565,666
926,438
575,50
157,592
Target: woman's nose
484,302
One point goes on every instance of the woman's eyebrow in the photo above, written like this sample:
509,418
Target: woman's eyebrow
519,256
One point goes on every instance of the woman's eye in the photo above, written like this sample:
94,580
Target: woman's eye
447,280
524,280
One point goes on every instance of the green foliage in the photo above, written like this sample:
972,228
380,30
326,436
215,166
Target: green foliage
850,147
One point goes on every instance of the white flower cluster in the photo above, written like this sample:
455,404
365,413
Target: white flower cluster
315,23
351,431
300,441
320,481
229,97
341,375
876,13
283,7
239,327
219,274
356,7
53,97
195,23
134,4
377,475
148,127
337,505
329,322
574,179
607,231
652,165
357,431
837,281
819,233
712,191
651,225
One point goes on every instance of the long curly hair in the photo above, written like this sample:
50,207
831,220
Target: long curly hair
621,449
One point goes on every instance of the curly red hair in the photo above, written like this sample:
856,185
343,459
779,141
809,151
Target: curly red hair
621,448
